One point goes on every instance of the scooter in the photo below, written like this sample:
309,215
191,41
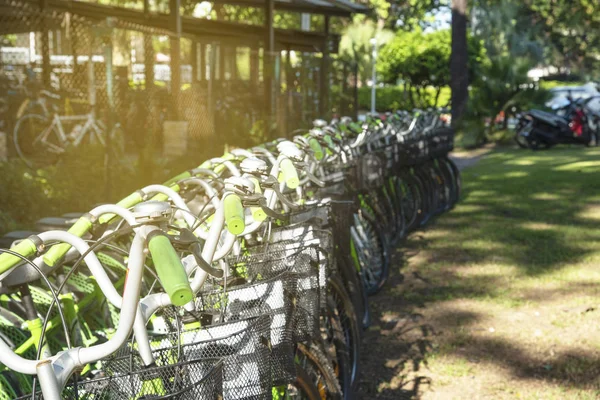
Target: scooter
571,124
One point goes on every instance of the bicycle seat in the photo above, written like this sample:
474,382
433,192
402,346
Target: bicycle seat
52,223
21,275
72,215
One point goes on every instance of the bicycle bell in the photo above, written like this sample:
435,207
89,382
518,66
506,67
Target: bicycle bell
319,123
152,212
239,185
291,151
254,166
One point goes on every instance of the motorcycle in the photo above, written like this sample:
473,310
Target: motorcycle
573,123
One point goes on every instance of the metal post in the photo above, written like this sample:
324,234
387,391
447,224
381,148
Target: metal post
355,99
46,66
268,60
374,77
324,78
254,59
148,62
194,56
175,55
202,61
222,63
211,81
343,105
111,107
148,54
289,82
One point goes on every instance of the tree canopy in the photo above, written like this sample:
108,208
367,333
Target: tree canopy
420,60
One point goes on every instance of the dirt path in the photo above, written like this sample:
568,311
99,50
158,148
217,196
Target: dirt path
465,159
498,299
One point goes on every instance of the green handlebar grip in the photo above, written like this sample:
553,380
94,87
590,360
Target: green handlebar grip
289,173
170,270
56,252
129,201
205,165
177,178
234,214
25,248
316,148
219,168
258,214
160,197
329,141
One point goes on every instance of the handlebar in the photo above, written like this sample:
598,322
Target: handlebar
288,173
169,268
234,214
56,252
26,248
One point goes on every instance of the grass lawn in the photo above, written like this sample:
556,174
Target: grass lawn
500,297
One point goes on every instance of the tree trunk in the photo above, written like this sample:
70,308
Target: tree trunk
411,99
437,96
458,61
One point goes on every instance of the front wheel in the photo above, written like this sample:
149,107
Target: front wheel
37,141
369,250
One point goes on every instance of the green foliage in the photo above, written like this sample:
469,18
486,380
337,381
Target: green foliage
566,31
502,86
391,98
513,47
355,45
422,60
76,184
410,14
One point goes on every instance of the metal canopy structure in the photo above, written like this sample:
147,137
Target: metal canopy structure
337,8
198,67
207,29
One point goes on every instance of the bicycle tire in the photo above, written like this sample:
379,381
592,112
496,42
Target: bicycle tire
313,360
339,298
307,389
355,288
26,133
374,269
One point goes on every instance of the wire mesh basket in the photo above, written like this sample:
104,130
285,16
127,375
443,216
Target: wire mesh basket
339,177
442,142
224,361
271,260
275,298
194,379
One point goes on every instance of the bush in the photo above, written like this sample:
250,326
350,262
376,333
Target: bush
77,183
392,98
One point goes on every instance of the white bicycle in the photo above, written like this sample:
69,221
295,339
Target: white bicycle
41,140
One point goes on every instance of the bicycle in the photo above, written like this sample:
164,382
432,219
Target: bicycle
40,140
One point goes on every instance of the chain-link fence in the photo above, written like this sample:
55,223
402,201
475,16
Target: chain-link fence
77,76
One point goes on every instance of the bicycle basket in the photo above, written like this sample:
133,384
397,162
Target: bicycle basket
184,380
275,298
272,259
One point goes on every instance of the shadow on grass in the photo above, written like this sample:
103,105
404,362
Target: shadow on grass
522,211
526,220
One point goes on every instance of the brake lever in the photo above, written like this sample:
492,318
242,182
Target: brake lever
273,184
258,200
185,240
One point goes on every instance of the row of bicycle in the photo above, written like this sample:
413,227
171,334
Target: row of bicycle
244,278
